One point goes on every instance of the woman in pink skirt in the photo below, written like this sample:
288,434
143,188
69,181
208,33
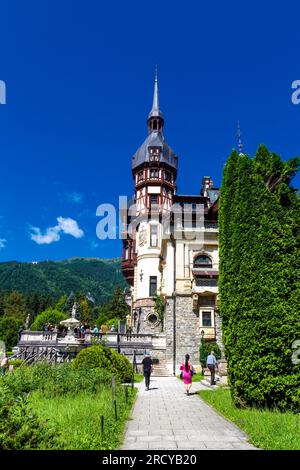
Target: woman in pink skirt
186,373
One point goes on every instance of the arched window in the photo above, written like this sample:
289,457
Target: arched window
202,261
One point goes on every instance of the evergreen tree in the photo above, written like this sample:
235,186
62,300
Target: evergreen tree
259,278
14,305
117,307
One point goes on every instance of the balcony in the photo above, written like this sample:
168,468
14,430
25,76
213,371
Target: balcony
205,284
128,268
209,333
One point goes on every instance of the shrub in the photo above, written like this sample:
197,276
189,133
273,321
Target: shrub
51,316
20,428
113,322
16,362
56,380
104,357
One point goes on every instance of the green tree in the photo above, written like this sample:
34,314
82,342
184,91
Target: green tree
260,278
117,307
14,305
9,327
51,316
1,304
102,315
85,310
61,304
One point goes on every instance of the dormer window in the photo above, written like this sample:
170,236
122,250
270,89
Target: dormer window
154,154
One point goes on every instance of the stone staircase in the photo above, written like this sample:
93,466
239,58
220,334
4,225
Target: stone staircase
160,370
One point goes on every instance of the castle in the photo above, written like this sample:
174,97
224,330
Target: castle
170,252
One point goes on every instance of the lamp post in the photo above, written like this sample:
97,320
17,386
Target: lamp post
202,333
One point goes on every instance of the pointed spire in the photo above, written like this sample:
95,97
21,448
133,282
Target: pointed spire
155,111
239,136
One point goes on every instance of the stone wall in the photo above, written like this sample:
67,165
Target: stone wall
144,325
187,331
218,324
169,332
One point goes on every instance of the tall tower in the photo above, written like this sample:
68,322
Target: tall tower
154,170
154,165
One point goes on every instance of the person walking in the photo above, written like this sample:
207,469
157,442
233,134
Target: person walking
211,363
147,368
187,372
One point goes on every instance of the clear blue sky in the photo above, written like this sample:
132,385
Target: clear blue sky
79,79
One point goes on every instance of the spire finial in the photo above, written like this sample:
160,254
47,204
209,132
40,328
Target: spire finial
239,136
155,105
155,111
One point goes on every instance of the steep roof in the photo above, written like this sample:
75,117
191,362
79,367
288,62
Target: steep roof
155,139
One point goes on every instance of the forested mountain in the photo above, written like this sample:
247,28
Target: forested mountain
57,278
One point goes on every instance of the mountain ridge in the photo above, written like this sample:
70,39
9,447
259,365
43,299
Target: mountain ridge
54,278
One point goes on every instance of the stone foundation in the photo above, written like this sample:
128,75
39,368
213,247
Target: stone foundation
187,330
142,325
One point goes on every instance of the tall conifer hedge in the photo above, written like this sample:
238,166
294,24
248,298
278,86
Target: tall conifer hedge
260,278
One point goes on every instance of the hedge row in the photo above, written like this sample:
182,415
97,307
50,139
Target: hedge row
260,278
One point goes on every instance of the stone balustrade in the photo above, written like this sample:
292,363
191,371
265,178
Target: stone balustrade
122,339
37,336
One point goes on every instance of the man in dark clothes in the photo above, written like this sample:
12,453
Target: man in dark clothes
147,368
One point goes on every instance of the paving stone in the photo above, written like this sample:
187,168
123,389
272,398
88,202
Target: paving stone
191,445
163,445
165,419
139,432
135,446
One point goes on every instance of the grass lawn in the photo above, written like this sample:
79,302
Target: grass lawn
77,418
138,378
270,430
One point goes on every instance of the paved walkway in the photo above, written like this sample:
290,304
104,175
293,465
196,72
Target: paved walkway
165,418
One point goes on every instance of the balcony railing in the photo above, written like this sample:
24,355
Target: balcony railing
206,282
